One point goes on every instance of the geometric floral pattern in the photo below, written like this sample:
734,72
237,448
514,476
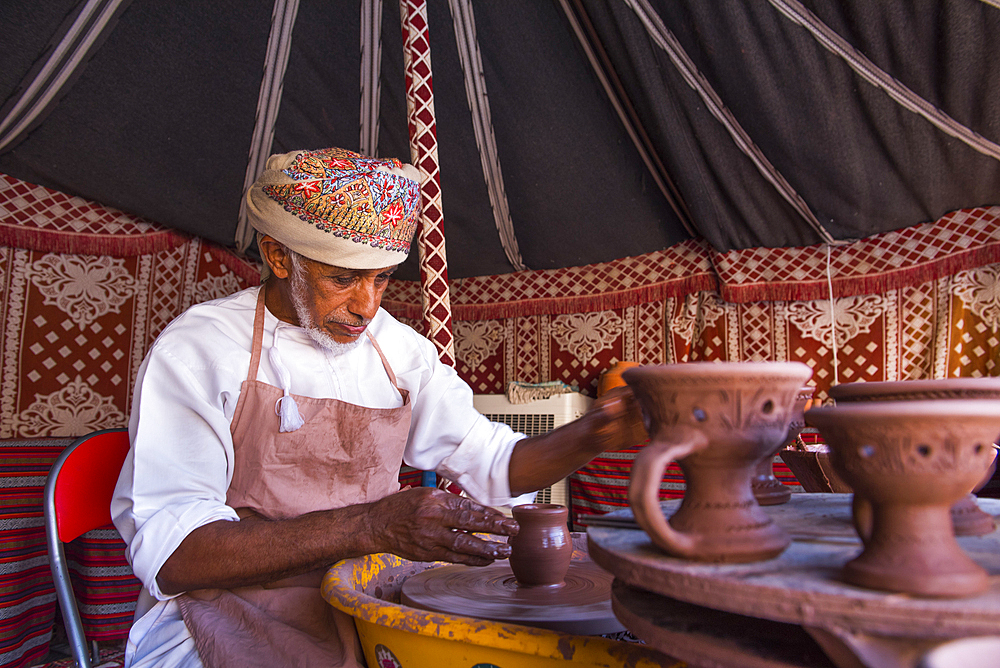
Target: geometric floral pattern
83,288
73,409
74,329
941,328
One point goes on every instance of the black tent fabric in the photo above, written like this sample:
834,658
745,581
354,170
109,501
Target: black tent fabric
808,120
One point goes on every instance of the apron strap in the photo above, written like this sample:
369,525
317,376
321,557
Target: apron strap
258,336
385,365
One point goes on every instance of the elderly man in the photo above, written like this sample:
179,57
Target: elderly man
268,428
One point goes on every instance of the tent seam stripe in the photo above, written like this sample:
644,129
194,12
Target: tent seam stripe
643,147
64,61
877,77
689,72
268,102
470,59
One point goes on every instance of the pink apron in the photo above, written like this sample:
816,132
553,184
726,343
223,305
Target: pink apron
343,454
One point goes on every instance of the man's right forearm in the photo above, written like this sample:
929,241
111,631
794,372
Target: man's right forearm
422,524
227,554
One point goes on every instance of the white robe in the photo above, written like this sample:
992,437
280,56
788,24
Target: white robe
179,468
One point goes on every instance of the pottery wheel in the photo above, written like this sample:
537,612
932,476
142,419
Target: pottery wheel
802,585
581,605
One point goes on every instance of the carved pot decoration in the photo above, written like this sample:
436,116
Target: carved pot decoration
718,421
966,516
908,463
767,489
542,549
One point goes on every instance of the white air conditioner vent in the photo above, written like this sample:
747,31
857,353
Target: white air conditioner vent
529,425
535,418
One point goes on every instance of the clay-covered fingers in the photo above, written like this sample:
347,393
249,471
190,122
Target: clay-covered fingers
465,548
466,515
427,524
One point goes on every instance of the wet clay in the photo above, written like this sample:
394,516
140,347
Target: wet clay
908,462
542,549
967,517
767,489
581,605
717,420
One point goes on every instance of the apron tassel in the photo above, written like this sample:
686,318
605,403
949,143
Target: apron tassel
287,410
288,413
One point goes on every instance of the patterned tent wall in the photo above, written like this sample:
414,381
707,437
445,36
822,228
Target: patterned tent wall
85,289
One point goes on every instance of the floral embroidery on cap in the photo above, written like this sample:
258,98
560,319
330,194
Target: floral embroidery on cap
346,194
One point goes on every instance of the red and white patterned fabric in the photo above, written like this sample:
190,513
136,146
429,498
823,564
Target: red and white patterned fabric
85,289
74,325
959,240
423,155
36,218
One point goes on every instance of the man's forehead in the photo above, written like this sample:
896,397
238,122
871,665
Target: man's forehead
334,269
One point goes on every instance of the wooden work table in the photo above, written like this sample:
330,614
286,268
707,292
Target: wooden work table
777,613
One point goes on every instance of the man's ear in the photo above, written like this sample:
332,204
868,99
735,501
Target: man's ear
275,255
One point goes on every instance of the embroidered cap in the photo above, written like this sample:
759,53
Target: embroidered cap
338,207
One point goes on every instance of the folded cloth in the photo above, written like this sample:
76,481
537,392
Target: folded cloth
522,393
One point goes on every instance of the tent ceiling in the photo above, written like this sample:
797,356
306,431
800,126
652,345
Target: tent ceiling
159,121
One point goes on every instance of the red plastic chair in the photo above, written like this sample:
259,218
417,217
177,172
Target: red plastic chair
77,499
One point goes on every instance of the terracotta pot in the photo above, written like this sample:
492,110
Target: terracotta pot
966,516
717,420
908,463
766,488
542,549
911,390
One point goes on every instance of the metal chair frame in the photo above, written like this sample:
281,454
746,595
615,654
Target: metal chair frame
71,509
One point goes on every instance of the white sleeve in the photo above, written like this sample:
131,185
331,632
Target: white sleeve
448,435
178,468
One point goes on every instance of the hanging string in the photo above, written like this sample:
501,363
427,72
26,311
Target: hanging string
833,316
285,408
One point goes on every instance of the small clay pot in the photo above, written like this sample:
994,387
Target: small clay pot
767,489
717,420
542,549
967,517
908,463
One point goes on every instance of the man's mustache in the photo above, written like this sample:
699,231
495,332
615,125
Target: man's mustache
363,322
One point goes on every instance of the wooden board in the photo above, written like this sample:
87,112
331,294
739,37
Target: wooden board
712,639
802,585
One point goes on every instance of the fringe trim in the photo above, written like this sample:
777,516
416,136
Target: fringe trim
850,286
844,286
585,304
83,243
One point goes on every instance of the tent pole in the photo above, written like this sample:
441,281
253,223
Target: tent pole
423,154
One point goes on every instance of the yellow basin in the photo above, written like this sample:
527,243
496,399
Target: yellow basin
393,635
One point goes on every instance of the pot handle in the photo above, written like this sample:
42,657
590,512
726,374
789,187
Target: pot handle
644,491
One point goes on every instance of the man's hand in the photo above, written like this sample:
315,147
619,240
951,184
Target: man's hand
424,524
428,524
613,422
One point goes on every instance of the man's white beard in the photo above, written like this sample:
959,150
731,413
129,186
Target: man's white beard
297,284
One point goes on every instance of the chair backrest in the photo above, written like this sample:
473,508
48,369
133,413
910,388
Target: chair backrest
83,480
77,498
